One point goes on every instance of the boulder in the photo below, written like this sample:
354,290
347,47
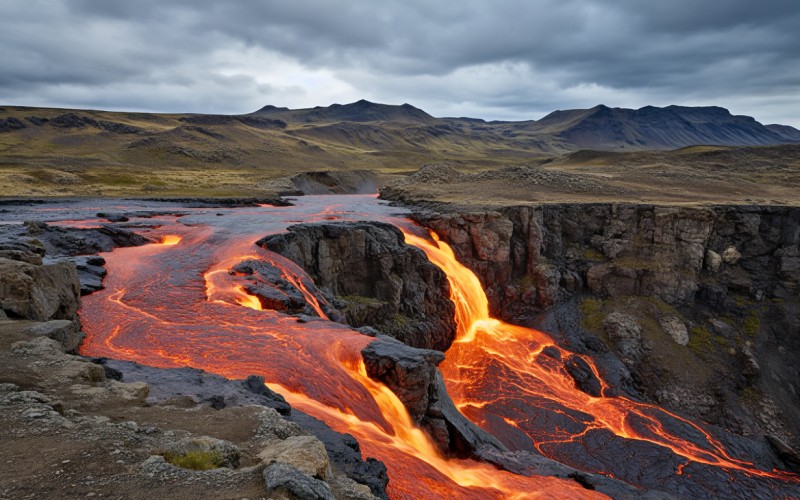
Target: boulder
228,452
66,332
39,293
345,488
378,280
305,453
624,331
284,482
731,255
713,261
675,328
412,375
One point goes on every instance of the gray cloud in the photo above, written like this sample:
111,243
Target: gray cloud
507,59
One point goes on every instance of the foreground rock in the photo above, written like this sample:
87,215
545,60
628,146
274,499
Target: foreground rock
412,375
377,280
38,292
72,431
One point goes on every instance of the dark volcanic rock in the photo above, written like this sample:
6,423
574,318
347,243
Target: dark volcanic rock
613,280
583,375
275,290
9,124
284,481
379,280
202,387
526,463
412,375
60,241
90,272
345,454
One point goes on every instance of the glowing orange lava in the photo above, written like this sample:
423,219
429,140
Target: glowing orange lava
154,311
486,347
170,239
182,305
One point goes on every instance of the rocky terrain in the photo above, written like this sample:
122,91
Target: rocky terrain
74,426
695,309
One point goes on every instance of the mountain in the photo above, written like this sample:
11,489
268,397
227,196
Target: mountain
790,133
672,127
359,111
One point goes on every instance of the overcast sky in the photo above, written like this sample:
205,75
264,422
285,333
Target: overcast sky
492,59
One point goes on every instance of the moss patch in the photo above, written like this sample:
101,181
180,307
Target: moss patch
592,315
752,325
700,340
360,300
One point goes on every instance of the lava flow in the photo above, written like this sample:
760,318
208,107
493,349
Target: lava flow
500,378
181,305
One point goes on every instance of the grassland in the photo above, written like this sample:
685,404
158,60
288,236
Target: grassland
57,152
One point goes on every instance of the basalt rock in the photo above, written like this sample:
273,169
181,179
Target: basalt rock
60,241
275,290
287,482
715,290
377,279
413,376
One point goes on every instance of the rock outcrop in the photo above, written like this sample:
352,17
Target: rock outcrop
713,290
413,376
375,278
39,292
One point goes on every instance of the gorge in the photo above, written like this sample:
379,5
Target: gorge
208,297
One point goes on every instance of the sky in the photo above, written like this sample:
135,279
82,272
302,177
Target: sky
491,59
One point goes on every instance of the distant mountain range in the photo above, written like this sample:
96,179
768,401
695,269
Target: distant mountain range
599,128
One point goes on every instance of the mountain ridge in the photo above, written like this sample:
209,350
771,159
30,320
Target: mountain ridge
599,128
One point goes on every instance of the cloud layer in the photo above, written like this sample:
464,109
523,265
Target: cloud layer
505,59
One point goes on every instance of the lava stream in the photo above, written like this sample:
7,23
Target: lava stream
488,349
181,305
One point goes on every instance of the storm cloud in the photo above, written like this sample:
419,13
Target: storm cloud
505,59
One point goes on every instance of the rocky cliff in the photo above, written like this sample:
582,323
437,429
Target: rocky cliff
374,278
700,305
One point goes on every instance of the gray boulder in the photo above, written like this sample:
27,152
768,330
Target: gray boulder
39,293
66,332
285,482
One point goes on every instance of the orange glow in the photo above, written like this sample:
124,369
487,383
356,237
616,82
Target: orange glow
483,342
170,239
248,300
183,305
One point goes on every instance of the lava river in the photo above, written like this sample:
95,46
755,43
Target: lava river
175,303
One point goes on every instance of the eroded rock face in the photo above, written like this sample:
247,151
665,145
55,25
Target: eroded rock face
39,292
531,257
715,290
412,374
377,280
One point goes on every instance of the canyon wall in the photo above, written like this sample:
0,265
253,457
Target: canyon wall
697,309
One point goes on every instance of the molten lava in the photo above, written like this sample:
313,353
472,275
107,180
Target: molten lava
179,303
156,312
488,349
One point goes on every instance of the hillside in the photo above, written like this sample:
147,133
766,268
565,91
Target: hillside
45,151
604,128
